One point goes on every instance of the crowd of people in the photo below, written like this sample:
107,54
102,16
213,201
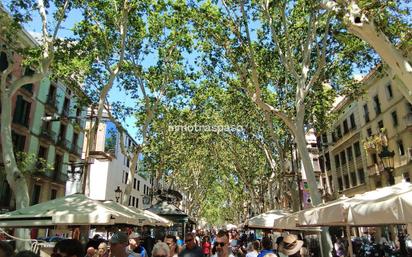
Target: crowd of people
220,243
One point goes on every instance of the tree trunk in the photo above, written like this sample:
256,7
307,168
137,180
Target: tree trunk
326,242
14,176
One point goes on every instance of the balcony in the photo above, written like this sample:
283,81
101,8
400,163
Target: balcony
48,135
375,169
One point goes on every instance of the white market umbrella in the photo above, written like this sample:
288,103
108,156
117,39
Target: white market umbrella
76,209
266,220
144,217
290,221
388,205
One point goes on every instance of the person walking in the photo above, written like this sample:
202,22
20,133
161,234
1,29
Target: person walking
206,246
102,250
171,241
135,247
222,244
267,246
191,249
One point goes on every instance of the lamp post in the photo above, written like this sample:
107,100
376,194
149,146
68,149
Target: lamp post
387,158
118,194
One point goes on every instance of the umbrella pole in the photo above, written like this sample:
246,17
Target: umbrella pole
350,248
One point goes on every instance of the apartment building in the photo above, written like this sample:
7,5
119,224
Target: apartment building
347,164
58,143
110,169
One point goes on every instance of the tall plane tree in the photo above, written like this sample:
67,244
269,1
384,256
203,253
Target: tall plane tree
39,57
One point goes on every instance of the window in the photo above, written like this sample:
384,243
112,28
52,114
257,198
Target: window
338,132
380,125
19,142
354,180
133,200
138,185
366,113
401,149
128,163
394,118
75,138
347,184
408,107
374,158
29,87
349,153
51,97
35,196
345,127
144,189
327,161
22,112
342,157
62,133
137,202
406,177
377,104
324,138
356,146
126,177
53,194
58,162
361,174
389,92
130,200
369,132
134,183
66,107
337,163
340,184
352,121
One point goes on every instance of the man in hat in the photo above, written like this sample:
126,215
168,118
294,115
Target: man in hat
118,245
290,246
135,247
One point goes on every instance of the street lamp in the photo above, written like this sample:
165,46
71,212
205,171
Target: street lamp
118,194
387,158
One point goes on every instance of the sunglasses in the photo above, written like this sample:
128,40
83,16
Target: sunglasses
188,240
220,244
160,255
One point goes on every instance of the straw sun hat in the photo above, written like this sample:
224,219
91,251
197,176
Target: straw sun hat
290,245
